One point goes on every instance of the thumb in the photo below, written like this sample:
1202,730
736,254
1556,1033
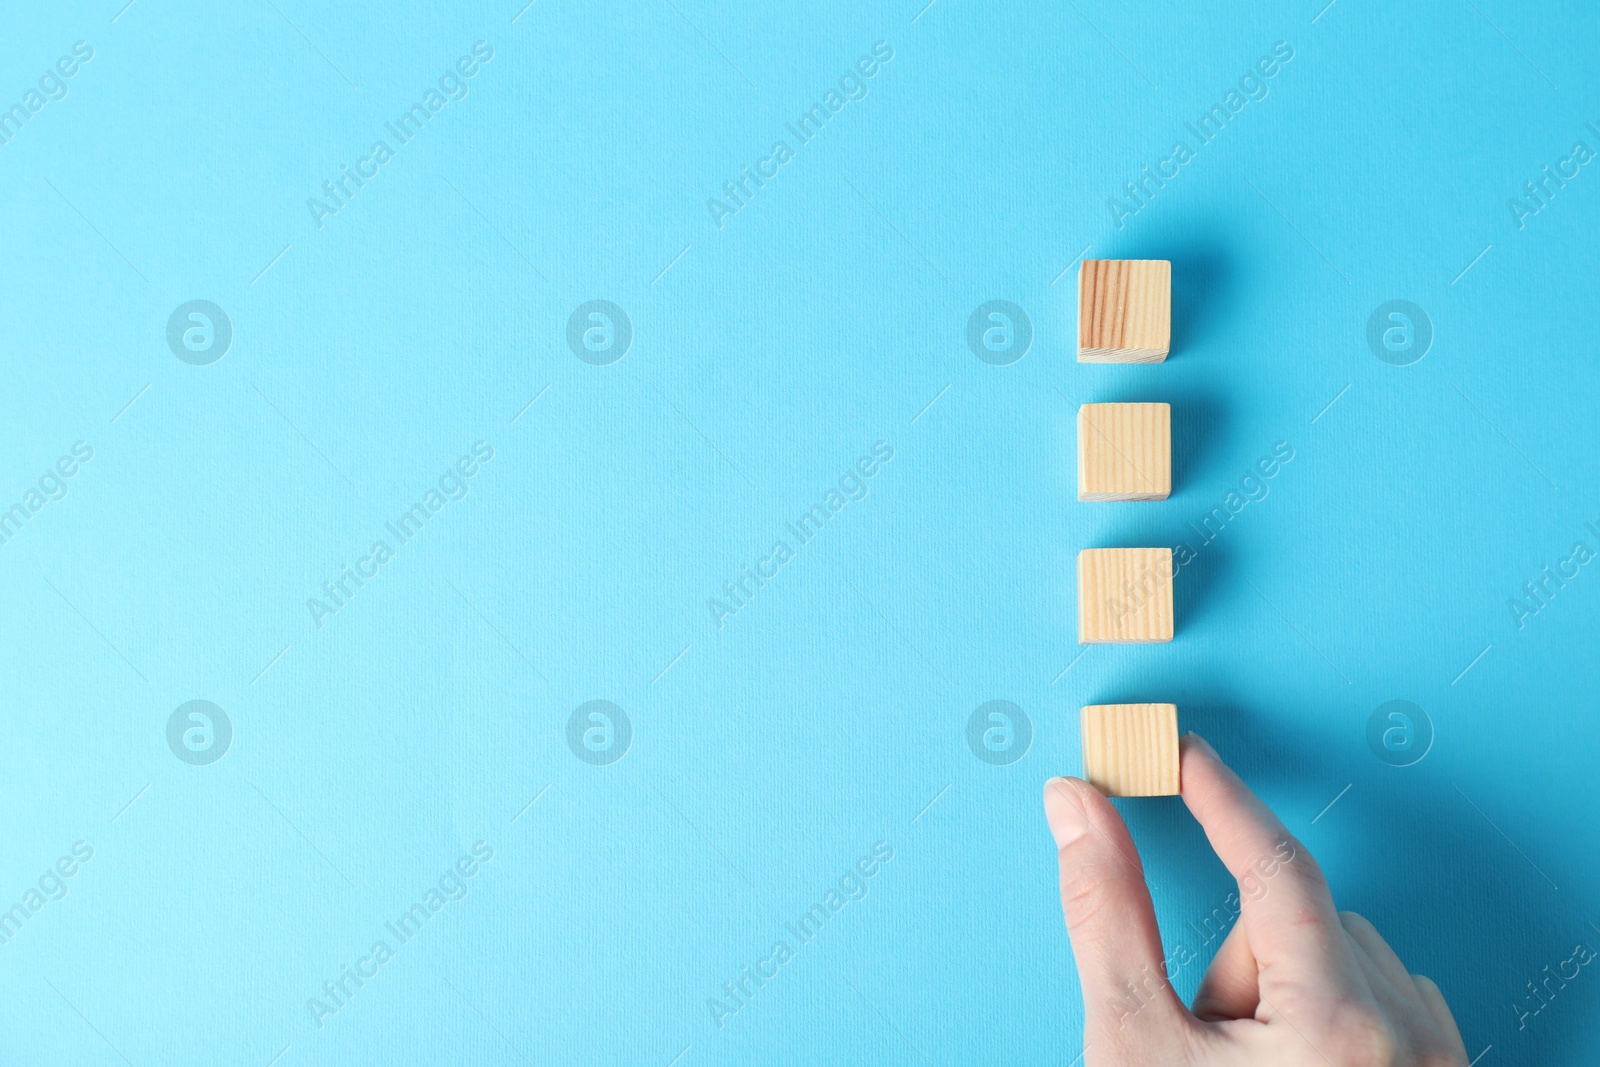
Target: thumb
1110,919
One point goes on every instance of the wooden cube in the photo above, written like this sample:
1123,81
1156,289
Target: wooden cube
1131,750
1124,310
1124,451
1124,595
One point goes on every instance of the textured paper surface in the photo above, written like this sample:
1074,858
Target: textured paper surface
1353,531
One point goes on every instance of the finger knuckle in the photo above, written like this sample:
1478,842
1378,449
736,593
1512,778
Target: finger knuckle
1086,893
1359,1036
1356,923
1305,867
1308,918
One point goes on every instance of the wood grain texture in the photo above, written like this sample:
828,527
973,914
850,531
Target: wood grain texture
1124,595
1124,451
1131,750
1124,310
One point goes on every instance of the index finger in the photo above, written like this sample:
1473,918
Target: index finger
1285,905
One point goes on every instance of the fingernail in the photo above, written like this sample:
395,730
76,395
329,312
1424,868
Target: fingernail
1063,810
1204,745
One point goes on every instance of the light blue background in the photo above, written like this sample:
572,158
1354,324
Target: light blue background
830,713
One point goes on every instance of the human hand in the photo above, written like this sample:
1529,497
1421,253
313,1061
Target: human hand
1294,982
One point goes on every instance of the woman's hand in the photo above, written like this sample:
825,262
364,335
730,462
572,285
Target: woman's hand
1295,982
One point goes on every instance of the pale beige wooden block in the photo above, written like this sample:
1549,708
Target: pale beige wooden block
1131,750
1124,595
1124,310
1124,451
